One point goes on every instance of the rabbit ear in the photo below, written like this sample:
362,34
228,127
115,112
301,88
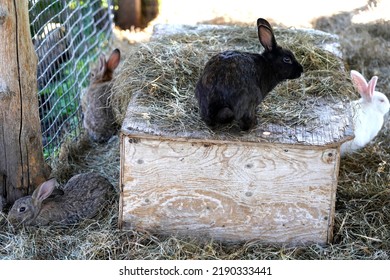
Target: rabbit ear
102,65
360,84
372,85
114,60
266,35
43,191
261,21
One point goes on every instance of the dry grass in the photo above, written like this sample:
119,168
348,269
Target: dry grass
167,69
362,221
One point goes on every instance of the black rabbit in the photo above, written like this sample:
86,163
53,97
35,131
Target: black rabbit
234,83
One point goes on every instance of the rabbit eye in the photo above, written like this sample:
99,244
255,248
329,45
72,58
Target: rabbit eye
287,59
22,209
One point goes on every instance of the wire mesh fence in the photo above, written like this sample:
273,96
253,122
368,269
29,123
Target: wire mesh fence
67,37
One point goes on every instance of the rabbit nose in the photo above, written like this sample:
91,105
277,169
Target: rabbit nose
300,71
297,74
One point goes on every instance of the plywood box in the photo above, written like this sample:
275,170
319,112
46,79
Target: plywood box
275,183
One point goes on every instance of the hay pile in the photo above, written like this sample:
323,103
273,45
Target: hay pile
369,51
361,223
166,70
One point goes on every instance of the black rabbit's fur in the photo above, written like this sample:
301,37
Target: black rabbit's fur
234,83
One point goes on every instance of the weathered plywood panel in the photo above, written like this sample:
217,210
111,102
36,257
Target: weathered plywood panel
330,126
228,191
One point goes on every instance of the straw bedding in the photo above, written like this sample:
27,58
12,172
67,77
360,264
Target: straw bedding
166,70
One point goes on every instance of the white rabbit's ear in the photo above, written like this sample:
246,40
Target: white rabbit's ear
360,84
372,85
43,191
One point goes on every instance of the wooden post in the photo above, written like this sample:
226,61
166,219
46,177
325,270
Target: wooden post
22,165
129,13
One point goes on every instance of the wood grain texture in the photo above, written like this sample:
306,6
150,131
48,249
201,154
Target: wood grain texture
230,191
22,166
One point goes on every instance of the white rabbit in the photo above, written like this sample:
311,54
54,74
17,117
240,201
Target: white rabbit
368,112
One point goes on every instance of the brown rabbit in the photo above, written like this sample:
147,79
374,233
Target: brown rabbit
81,198
99,118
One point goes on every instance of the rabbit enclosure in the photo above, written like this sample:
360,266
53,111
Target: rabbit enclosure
359,223
68,37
